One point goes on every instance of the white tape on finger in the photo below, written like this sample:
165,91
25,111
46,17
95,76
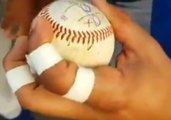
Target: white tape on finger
43,58
83,85
18,77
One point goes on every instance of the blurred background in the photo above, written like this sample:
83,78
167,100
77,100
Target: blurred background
139,10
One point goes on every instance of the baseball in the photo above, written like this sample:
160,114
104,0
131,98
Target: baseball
81,32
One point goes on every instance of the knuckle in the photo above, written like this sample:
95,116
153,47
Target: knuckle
27,102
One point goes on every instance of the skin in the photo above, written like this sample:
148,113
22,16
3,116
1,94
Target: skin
19,15
137,89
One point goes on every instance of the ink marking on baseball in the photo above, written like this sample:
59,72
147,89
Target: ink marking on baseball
79,36
81,32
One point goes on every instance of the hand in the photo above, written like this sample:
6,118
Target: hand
36,98
144,70
19,15
141,77
139,87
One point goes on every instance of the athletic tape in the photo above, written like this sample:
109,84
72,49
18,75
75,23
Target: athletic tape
18,77
83,85
43,58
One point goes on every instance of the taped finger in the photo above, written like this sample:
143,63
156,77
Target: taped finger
19,77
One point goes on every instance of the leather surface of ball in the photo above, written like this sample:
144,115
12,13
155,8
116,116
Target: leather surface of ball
81,32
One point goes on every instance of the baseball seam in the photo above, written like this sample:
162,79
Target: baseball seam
85,37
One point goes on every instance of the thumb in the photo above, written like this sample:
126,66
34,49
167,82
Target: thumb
129,34
16,56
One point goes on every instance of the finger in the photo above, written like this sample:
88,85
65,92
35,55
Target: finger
42,3
20,47
108,80
24,29
6,22
130,35
39,36
11,32
16,56
17,53
9,26
42,101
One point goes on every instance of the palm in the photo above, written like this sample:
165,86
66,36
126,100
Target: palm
146,82
137,89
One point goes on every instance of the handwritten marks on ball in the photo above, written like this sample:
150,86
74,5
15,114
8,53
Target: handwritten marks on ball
82,33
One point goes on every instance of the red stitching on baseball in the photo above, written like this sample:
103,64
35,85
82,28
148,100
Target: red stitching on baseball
49,19
96,34
53,25
100,36
59,31
69,34
74,36
84,37
56,29
51,22
79,36
47,16
105,32
88,37
44,11
92,35
63,35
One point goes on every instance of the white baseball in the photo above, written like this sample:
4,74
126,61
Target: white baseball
82,33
